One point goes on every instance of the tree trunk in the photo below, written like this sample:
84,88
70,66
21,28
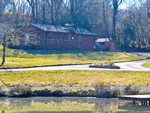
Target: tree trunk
14,8
104,19
114,27
1,10
52,16
139,40
44,19
72,11
3,57
33,14
116,4
36,12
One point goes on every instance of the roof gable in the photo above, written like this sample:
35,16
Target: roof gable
63,29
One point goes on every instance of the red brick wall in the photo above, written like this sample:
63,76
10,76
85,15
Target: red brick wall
111,45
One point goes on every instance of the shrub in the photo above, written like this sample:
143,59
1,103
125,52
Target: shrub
57,92
91,93
72,92
2,93
115,93
42,92
129,91
102,91
111,60
20,91
100,86
81,92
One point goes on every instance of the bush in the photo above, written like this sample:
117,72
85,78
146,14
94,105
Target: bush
115,93
57,92
102,91
72,92
2,93
82,93
91,93
111,60
20,91
42,92
129,91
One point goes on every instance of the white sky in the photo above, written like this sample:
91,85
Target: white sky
127,3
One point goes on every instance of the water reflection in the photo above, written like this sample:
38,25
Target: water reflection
68,105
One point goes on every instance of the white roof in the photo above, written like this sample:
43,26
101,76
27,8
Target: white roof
103,39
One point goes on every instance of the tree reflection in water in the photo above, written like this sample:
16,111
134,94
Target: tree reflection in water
8,104
49,105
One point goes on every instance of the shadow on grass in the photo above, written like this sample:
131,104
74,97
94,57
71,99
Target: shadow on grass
56,51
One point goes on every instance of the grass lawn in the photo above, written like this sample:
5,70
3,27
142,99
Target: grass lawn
147,64
75,78
31,58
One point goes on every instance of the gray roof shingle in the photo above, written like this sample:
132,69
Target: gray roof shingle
62,29
103,40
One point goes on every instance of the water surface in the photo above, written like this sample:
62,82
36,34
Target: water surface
69,105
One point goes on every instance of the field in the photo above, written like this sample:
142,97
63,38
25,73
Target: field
31,58
75,78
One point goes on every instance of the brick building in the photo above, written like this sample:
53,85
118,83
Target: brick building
57,37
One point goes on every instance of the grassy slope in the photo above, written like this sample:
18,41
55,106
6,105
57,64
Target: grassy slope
147,65
19,58
75,78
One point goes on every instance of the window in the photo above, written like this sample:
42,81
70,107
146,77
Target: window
73,37
102,43
80,38
35,37
26,41
51,41
38,42
50,34
63,40
37,32
50,37
69,37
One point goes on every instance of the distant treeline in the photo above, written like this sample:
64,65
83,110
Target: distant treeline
129,26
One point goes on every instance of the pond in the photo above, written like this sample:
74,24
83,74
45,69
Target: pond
68,105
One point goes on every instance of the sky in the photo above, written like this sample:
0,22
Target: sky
127,3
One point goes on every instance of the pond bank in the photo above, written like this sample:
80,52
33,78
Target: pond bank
55,91
66,88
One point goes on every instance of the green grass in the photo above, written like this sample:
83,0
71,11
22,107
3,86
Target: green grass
75,78
32,58
147,64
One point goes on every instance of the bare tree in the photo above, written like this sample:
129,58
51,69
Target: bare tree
9,28
116,4
104,19
54,8
76,8
32,5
